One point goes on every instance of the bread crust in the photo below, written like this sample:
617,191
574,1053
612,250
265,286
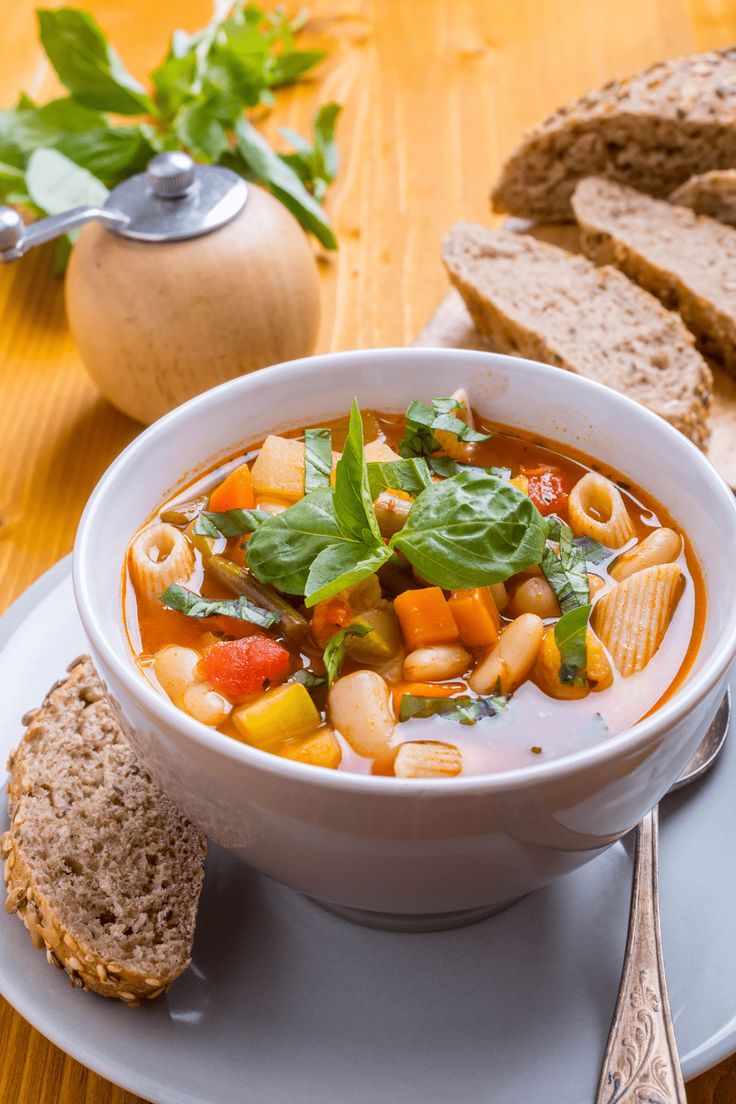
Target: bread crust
65,949
711,193
653,131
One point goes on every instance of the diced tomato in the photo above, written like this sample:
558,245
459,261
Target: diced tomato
245,666
329,616
548,489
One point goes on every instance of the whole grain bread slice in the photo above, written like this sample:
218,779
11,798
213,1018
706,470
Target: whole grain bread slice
102,869
535,300
688,261
711,193
652,131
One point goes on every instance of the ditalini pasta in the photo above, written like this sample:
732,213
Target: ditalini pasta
596,509
632,619
419,596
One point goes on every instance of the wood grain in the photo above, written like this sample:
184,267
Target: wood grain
436,92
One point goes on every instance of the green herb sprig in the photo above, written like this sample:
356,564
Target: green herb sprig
69,151
192,604
334,654
463,710
422,422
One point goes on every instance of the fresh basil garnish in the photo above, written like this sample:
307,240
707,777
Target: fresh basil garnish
471,530
411,476
463,710
308,678
317,459
232,523
194,605
571,633
334,654
592,550
446,467
567,573
422,421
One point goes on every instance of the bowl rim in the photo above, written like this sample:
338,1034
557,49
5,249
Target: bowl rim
685,699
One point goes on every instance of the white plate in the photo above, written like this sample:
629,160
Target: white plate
287,1003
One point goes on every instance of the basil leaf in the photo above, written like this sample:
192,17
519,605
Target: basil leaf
471,530
571,638
86,63
568,573
308,678
194,605
343,565
334,654
422,421
317,459
445,467
463,710
269,169
287,67
282,549
592,550
411,476
55,183
199,129
232,523
316,165
353,499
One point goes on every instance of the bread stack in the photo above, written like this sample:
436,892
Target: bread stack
647,168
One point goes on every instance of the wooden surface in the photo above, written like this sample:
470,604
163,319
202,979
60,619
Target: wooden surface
435,93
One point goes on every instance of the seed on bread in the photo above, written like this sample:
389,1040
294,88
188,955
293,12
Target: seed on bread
652,131
101,868
687,260
535,300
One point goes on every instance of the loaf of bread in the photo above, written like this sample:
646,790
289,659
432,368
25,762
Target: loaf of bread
101,868
688,261
711,193
538,301
652,131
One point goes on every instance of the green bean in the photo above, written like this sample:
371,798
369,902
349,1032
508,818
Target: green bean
184,512
241,581
205,545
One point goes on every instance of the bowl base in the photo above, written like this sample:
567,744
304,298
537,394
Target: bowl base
414,921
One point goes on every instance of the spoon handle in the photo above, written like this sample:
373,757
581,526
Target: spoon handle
641,1060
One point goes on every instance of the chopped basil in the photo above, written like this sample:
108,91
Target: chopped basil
463,710
567,573
571,633
308,678
411,476
317,459
334,654
422,421
233,523
593,551
194,605
445,467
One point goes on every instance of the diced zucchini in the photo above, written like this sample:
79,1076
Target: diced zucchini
286,713
378,452
382,642
364,595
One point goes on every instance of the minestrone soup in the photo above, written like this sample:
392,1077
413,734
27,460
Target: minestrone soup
421,596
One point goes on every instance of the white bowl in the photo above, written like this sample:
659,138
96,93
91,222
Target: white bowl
407,851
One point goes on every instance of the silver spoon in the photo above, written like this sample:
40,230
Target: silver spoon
641,1060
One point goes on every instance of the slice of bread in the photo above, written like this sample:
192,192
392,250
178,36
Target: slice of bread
101,868
538,301
652,131
711,193
686,260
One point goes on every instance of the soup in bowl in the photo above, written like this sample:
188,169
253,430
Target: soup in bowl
417,652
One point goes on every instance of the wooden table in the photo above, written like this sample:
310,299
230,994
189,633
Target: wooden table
435,93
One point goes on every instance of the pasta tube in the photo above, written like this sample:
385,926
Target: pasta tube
631,620
159,556
427,760
596,509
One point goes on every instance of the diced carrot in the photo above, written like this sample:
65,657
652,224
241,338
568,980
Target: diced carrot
245,666
329,616
475,614
425,690
234,493
425,618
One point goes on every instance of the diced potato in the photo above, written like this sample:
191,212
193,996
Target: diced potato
319,750
278,470
285,713
379,452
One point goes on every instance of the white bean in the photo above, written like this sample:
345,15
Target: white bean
663,546
443,661
508,663
202,702
534,595
176,669
500,597
359,708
